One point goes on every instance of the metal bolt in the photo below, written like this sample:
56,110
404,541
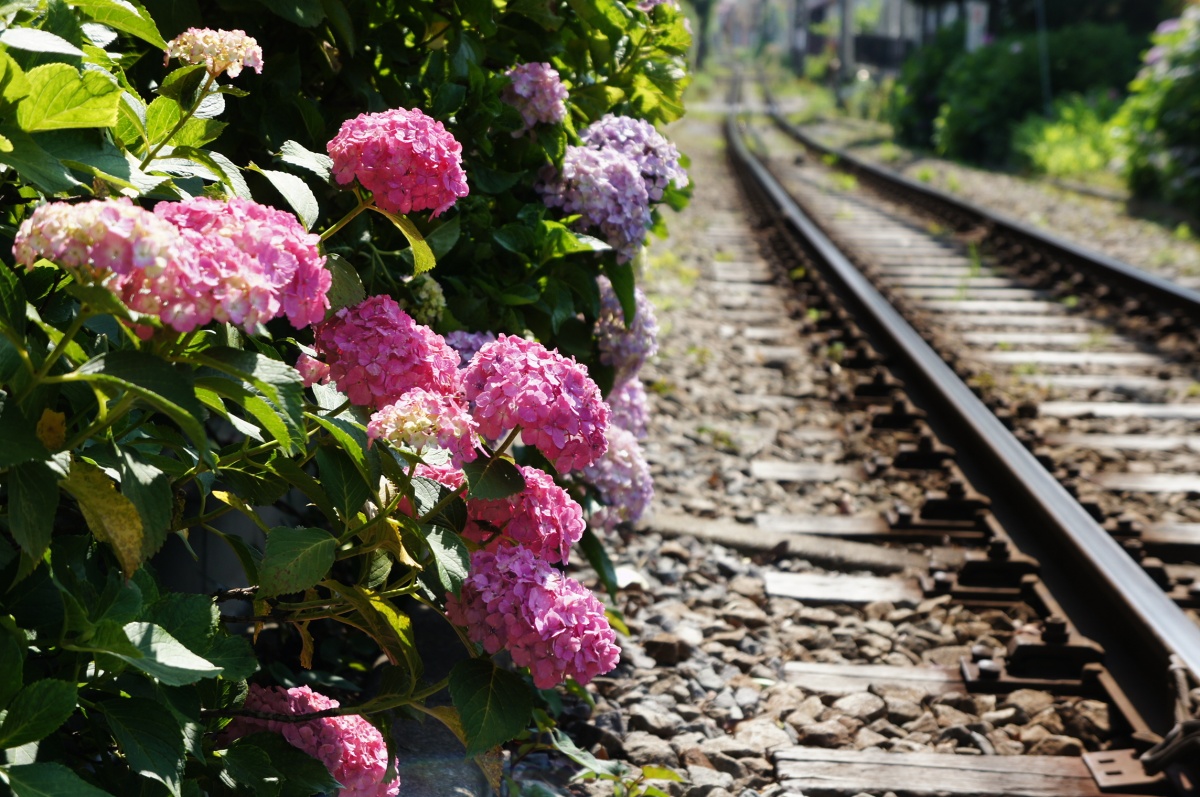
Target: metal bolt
942,582
989,670
956,489
981,653
1054,629
998,550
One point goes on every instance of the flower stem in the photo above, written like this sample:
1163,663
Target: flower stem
183,120
362,205
56,352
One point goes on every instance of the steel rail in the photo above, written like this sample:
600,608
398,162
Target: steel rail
1129,278
1115,576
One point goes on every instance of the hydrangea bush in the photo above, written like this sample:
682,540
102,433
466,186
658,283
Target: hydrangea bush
218,329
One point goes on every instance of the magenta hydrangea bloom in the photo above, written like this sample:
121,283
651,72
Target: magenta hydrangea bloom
219,50
352,749
468,343
376,353
537,92
408,160
420,418
256,262
623,480
629,411
542,517
608,192
514,382
447,475
626,349
656,158
547,621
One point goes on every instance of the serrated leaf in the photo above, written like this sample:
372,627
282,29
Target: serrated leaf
495,705
33,502
492,478
165,658
451,555
38,41
347,289
12,300
295,559
60,97
423,259
343,483
111,516
127,16
151,739
296,192
49,780
305,775
21,443
149,490
298,155
278,381
391,629
192,619
34,163
234,656
37,711
13,84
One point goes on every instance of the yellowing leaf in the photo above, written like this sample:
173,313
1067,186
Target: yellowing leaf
111,516
52,429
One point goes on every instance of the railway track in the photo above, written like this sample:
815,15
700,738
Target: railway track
1065,509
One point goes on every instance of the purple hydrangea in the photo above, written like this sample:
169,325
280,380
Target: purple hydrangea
623,480
607,190
624,348
537,92
656,158
629,411
468,343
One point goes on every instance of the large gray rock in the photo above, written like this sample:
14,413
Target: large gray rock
762,735
828,734
646,749
863,706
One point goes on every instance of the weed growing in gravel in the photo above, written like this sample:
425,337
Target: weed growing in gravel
845,182
1069,302
723,257
661,387
925,174
1184,233
952,183
1026,369
933,228
976,266
889,152
1004,345
700,354
719,438
829,160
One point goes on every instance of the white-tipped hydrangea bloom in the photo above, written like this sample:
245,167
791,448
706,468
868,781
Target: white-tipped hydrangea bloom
428,302
219,50
607,190
656,158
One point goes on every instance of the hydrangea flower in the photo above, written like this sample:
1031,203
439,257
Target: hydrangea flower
623,480
542,517
514,382
406,159
468,343
656,158
628,404
649,5
428,303
219,50
350,747
255,262
549,622
537,92
608,192
376,353
420,418
626,349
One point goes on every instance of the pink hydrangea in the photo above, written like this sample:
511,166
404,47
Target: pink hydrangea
468,343
446,474
376,353
606,189
629,411
255,262
352,749
547,621
420,418
623,480
542,517
219,50
406,159
537,92
514,382
625,348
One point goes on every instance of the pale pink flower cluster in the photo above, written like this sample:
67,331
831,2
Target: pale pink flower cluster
420,418
607,191
623,480
188,262
407,160
254,263
219,50
468,343
537,92
350,747
514,382
375,353
625,348
542,517
549,622
629,411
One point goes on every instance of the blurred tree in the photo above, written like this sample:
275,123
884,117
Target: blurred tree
1015,16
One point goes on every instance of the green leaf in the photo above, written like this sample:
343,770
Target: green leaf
299,478
492,478
247,765
149,490
443,239
49,780
111,516
154,381
34,163
305,13
127,16
37,711
21,443
295,560
622,278
343,483
298,155
12,660
423,259
276,380
391,629
543,12
347,289
60,97
453,559
597,557
305,774
661,773
150,738
13,84
33,502
495,705
235,656
296,192
38,41
192,619
165,658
